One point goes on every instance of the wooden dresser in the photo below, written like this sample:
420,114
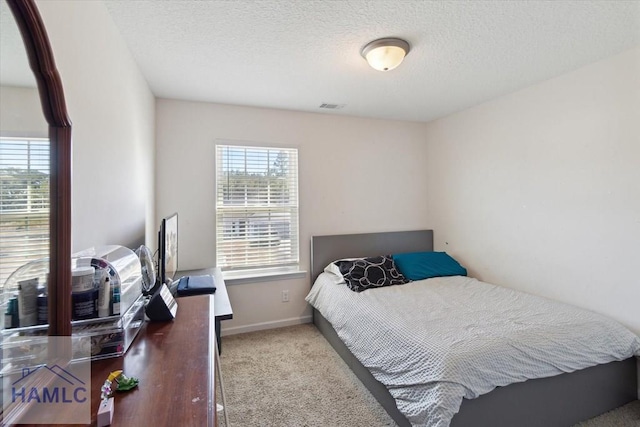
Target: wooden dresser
175,364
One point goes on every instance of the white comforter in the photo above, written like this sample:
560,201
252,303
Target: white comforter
435,341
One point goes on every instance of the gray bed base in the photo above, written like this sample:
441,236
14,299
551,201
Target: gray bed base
562,400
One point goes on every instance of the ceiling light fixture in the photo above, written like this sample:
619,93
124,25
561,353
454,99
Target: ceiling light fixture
385,54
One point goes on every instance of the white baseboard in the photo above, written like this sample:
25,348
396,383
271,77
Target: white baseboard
265,325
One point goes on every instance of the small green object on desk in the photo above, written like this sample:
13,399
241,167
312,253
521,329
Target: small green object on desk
126,383
123,383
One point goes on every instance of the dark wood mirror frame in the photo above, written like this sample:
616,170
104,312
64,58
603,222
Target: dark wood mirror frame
42,64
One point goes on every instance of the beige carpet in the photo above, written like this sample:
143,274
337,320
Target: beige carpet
293,377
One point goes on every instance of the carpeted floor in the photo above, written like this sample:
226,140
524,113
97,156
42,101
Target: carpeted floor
293,377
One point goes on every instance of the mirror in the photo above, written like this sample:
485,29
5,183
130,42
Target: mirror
24,180
23,38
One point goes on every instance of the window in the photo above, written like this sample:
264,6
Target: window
256,207
24,203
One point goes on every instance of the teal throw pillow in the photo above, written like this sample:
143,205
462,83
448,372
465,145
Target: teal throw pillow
424,265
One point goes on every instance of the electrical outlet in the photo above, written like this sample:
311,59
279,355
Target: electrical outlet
285,296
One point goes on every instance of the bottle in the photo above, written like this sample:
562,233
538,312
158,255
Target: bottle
104,297
11,318
28,302
8,316
116,300
43,308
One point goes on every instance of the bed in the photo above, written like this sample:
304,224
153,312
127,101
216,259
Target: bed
559,400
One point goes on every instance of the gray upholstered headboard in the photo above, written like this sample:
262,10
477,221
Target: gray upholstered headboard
325,249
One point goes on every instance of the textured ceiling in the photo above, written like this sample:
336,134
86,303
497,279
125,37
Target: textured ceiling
299,54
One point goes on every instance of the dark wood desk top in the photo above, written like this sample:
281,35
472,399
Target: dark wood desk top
175,364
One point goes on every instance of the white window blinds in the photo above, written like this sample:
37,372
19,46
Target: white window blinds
24,203
256,207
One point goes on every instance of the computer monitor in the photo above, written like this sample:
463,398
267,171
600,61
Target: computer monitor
168,249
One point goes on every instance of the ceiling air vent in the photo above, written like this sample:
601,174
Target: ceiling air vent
332,106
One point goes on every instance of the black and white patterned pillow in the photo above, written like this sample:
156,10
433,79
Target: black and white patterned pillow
375,272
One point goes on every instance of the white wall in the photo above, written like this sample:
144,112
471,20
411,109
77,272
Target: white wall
355,175
540,190
112,110
21,113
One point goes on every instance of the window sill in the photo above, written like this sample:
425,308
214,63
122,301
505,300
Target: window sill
263,275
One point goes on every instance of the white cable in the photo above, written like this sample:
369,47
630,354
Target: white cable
219,376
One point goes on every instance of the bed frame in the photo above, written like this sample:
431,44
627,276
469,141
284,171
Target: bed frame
562,400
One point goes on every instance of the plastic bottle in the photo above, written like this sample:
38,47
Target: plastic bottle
43,308
104,298
116,300
8,316
11,317
28,302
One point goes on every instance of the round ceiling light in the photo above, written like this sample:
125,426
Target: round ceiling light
385,54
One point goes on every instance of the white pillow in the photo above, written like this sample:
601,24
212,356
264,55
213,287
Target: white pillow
333,270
